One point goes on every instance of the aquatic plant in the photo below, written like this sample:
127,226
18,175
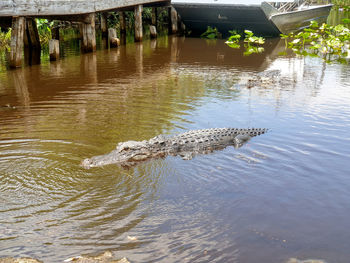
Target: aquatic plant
328,42
252,43
44,30
211,33
250,38
233,40
5,38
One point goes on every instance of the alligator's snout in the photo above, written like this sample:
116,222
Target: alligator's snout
86,163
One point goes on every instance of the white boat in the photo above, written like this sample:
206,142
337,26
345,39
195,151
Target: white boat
263,18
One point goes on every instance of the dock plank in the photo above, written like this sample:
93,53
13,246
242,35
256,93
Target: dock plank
66,7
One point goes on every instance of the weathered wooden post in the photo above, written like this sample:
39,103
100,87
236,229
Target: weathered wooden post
122,22
54,49
33,34
154,16
138,23
55,32
153,31
103,20
17,34
89,36
112,38
173,20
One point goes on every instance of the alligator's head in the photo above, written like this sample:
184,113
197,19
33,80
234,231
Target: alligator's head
126,154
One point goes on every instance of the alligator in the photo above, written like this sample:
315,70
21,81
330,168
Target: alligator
186,145
266,79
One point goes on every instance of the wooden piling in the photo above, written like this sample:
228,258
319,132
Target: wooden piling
32,34
138,23
173,20
122,22
17,34
54,49
153,31
89,36
154,16
112,38
55,33
103,20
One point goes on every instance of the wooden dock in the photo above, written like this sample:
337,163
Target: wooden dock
44,8
20,14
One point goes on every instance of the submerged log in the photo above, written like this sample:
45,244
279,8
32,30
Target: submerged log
17,34
89,36
54,49
138,23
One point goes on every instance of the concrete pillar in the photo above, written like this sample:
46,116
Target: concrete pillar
54,49
32,34
89,36
173,20
112,38
154,16
17,34
104,24
122,22
138,23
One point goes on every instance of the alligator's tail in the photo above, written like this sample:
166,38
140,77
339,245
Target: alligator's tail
244,135
252,132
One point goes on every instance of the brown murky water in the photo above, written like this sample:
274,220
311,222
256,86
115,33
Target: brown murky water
283,194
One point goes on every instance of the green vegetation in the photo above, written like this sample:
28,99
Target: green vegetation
332,43
211,33
44,30
344,4
252,43
233,40
5,38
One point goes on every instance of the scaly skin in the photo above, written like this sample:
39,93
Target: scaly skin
185,145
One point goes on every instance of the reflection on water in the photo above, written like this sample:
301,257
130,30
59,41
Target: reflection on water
282,195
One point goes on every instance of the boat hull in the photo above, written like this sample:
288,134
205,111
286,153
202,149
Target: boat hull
197,17
298,20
